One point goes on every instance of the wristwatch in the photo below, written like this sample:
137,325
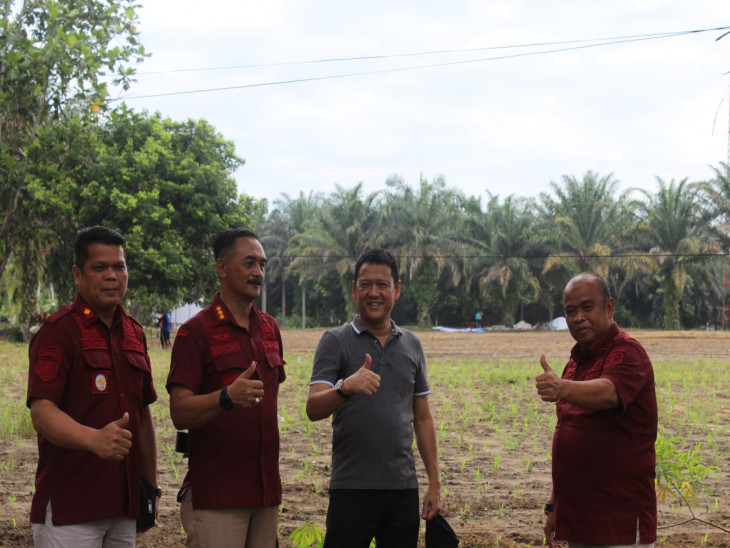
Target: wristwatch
549,507
225,400
338,387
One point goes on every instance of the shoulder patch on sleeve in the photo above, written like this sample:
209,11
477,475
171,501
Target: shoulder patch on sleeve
49,360
182,332
615,357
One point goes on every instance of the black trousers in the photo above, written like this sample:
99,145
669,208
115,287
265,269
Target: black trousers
355,516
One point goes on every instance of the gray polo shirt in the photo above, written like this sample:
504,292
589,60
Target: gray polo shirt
372,436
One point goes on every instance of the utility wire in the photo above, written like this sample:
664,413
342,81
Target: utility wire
637,38
637,255
432,52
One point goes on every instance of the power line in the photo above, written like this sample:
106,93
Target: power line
621,40
538,256
427,53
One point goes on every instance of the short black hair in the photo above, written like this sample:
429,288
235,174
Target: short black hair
600,282
95,235
377,256
226,239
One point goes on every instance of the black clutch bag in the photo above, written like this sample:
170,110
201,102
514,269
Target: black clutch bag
147,505
439,533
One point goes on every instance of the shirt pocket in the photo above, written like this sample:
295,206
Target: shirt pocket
98,372
271,351
228,367
137,374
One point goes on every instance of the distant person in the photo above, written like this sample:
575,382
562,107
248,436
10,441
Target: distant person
371,375
226,366
478,319
165,329
603,448
89,391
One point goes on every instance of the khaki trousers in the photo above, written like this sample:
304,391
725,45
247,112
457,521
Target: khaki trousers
252,527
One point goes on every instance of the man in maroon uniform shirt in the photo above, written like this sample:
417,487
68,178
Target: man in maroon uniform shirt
603,447
227,363
89,391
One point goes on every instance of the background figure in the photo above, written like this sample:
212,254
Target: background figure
603,447
89,391
165,329
372,375
226,366
478,319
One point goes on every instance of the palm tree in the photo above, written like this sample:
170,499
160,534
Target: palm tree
419,227
715,196
673,229
503,239
583,216
343,228
276,231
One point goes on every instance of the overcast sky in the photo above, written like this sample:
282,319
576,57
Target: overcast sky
492,120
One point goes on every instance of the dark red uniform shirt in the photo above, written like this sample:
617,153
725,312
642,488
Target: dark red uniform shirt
233,461
95,375
603,461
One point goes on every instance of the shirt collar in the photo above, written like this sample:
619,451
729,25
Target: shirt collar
222,314
360,328
88,314
603,342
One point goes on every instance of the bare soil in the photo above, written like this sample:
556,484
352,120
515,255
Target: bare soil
518,522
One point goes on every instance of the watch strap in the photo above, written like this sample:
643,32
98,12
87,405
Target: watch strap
224,400
338,388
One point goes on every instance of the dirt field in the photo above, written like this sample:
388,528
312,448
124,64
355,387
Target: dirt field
498,516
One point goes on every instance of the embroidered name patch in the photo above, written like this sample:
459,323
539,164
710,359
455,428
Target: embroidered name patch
222,349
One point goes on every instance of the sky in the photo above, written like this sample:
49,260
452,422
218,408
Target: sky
431,89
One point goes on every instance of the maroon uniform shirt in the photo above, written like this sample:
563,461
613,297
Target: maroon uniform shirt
233,460
95,375
603,461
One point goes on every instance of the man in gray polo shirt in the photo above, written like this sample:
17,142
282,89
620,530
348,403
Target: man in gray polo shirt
371,375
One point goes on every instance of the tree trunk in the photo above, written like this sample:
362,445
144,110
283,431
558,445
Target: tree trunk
283,302
304,307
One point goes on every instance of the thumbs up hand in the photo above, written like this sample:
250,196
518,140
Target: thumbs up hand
113,441
548,384
246,391
362,381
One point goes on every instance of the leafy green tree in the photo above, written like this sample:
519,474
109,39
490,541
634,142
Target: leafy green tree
55,57
166,185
